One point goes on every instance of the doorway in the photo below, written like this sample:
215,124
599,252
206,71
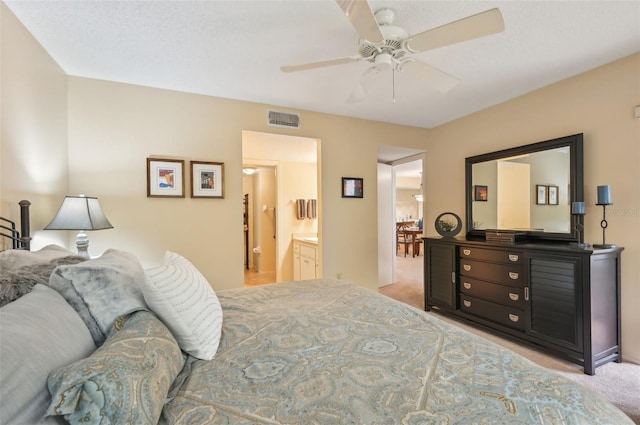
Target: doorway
400,185
259,222
409,208
278,171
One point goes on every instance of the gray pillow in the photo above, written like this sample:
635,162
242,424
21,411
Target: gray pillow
14,259
19,282
38,333
102,290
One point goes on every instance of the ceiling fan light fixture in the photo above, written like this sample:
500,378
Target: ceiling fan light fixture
383,61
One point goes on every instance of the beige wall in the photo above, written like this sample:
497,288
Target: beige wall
598,103
33,139
407,207
113,127
298,181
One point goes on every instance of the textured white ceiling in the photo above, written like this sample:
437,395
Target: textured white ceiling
234,49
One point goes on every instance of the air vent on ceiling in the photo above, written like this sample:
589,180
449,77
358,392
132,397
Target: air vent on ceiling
283,119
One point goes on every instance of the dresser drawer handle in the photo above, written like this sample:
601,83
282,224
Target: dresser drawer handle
466,267
467,285
467,303
514,317
513,257
466,251
514,297
513,275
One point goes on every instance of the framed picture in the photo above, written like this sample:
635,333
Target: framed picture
165,178
552,195
541,194
352,187
207,179
480,193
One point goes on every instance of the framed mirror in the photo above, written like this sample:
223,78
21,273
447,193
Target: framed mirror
527,188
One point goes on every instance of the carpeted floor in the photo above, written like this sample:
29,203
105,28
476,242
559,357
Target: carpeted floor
617,382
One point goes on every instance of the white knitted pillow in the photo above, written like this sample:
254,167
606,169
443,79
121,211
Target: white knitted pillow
183,299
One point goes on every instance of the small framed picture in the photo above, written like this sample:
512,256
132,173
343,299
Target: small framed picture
480,193
552,195
165,178
207,179
541,194
352,187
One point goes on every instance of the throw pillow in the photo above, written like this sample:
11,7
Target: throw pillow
13,259
39,332
183,299
101,290
125,381
19,282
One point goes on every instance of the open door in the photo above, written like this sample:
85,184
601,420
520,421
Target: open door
386,232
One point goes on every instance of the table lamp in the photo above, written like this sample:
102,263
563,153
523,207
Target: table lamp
81,213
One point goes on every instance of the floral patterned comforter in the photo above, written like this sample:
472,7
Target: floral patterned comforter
329,352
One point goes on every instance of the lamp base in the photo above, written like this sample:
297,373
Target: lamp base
603,246
82,244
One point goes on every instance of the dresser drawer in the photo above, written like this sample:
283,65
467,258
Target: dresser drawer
499,273
507,257
511,317
509,296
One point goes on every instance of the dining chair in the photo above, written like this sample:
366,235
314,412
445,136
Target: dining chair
402,237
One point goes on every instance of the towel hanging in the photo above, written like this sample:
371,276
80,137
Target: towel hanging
312,209
301,209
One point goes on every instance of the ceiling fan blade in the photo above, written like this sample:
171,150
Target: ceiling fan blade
366,82
319,64
362,19
475,26
436,79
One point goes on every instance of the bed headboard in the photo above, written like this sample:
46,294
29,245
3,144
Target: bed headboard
19,239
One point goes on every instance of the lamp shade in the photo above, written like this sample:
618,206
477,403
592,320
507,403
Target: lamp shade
79,213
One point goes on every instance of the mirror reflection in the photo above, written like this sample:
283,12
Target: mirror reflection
524,192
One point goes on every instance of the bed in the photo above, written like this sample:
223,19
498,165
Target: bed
108,341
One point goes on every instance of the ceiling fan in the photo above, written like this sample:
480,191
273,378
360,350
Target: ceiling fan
387,46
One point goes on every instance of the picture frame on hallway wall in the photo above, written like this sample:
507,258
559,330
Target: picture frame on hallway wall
552,195
541,194
207,179
165,178
352,187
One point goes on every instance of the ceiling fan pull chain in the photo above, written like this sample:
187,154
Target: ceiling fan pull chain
393,83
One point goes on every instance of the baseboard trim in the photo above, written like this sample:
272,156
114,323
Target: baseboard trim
629,359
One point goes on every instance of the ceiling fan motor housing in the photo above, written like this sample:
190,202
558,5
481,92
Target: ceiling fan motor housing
383,55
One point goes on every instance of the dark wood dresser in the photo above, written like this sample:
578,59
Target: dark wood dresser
556,297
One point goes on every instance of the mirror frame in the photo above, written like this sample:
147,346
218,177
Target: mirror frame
576,180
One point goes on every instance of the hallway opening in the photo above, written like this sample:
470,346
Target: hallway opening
279,171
